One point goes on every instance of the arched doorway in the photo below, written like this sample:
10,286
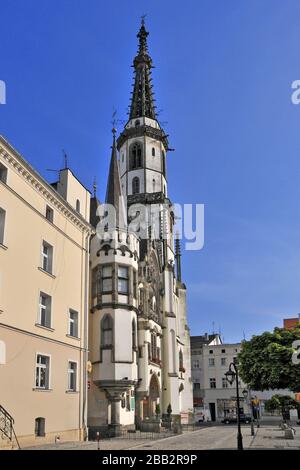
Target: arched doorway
153,399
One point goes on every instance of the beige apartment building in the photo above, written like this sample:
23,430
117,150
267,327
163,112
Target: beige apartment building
44,266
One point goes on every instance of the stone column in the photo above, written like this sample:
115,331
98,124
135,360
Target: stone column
114,398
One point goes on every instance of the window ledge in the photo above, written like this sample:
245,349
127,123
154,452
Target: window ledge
44,327
73,337
3,246
72,392
46,272
37,389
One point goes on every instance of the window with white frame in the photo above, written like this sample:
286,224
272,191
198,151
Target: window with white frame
211,362
73,323
2,225
49,214
196,364
72,376
42,371
47,257
223,361
106,279
224,382
3,173
212,383
45,310
123,280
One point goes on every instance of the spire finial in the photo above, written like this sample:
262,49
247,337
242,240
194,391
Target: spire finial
142,102
95,186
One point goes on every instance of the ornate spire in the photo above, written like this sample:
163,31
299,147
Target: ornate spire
114,195
142,103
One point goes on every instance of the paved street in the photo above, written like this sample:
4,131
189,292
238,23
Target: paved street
206,438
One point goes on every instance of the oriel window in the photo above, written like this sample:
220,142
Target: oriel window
123,280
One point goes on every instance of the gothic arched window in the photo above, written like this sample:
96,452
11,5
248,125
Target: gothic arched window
135,156
180,361
164,163
135,185
107,332
133,326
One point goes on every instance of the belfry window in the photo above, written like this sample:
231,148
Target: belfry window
135,156
135,185
164,164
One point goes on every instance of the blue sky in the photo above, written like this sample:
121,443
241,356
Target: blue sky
223,78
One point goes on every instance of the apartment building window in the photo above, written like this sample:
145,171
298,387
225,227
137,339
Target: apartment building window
224,383
73,323
211,362
3,173
106,279
45,310
49,214
223,361
196,364
211,351
42,374
39,427
212,383
2,225
72,376
123,280
196,385
47,257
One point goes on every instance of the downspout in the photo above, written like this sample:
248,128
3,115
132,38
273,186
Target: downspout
85,338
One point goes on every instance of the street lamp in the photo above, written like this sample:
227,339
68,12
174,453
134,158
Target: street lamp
231,376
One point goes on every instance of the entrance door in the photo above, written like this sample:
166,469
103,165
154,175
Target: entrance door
212,409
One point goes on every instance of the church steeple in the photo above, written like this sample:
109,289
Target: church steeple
114,194
142,103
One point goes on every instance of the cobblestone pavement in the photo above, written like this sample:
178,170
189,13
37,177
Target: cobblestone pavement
225,437
206,438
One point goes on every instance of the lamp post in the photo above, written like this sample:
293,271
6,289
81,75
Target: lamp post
231,376
246,393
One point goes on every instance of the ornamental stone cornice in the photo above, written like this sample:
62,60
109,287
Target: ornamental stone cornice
141,131
29,174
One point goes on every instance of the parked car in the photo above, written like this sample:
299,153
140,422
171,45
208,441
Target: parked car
246,419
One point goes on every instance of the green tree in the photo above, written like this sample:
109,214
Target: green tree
265,362
282,403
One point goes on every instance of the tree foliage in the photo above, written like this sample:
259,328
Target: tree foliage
265,362
281,403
